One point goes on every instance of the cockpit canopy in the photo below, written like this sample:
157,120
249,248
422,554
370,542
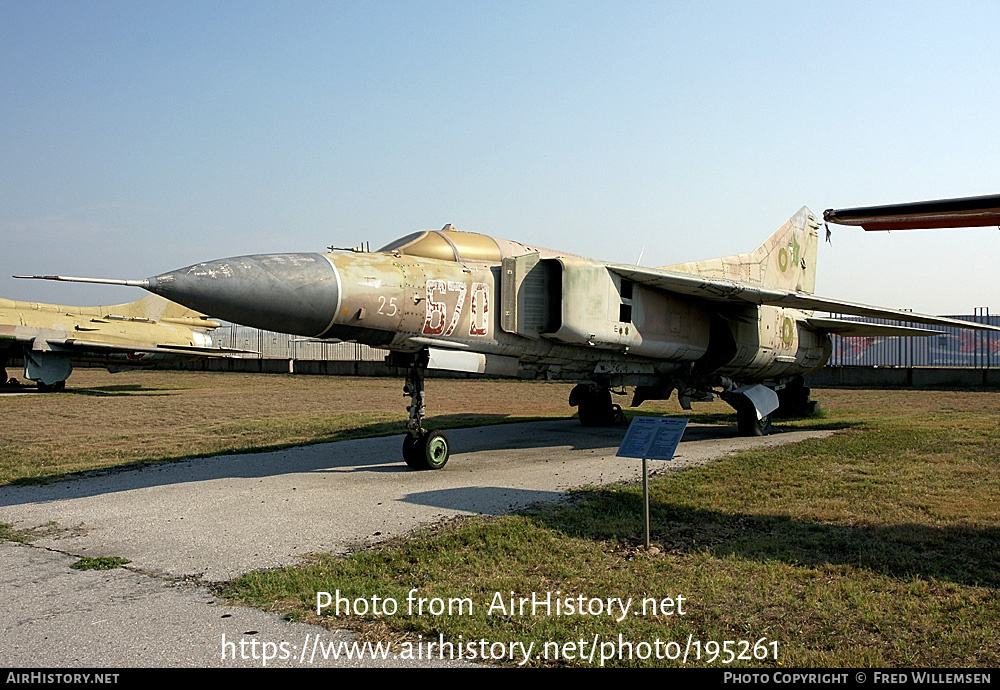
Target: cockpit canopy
447,244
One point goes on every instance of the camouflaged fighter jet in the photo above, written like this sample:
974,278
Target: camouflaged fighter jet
50,337
740,327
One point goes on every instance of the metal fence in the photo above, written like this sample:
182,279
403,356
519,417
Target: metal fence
268,344
954,347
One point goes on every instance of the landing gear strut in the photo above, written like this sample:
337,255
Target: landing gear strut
422,449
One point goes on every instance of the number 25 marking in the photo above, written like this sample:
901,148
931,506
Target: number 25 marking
392,306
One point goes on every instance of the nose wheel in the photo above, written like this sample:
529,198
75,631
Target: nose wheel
422,449
427,451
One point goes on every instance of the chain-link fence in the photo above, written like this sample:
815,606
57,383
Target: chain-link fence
268,344
954,347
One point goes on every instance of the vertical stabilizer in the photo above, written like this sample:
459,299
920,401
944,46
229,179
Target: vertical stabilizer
786,260
152,307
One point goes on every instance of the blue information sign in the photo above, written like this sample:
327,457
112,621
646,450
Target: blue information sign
652,438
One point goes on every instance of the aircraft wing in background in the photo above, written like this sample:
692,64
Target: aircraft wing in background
966,212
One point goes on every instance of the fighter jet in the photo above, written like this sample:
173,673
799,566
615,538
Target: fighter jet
741,327
50,337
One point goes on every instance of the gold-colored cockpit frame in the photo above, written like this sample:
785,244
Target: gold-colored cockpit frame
447,244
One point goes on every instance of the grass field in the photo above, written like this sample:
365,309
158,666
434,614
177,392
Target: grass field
877,546
106,420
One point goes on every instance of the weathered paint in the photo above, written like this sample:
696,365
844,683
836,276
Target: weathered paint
409,296
786,260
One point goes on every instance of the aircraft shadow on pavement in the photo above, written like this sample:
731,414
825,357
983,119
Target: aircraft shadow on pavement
382,454
485,500
566,433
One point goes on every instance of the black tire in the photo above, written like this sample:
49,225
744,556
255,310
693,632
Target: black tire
51,388
749,425
794,402
411,451
594,405
430,451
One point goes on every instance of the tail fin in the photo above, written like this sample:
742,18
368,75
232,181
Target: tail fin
150,307
785,260
156,308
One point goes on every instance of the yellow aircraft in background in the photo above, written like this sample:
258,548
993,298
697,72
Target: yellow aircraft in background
50,337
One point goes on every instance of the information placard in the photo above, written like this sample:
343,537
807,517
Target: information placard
653,438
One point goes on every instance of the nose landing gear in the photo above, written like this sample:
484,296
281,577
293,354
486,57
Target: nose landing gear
422,449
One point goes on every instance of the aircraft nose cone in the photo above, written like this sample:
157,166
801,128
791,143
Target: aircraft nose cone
291,293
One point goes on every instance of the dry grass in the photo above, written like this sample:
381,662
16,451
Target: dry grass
874,547
105,420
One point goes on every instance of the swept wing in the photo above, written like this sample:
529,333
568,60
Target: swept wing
725,290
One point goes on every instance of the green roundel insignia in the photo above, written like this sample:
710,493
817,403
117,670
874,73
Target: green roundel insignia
786,331
783,259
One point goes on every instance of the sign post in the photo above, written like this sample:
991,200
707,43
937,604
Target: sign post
653,438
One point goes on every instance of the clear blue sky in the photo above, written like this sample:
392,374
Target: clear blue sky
141,137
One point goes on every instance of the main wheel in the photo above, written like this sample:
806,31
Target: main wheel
429,451
51,387
794,402
593,403
749,425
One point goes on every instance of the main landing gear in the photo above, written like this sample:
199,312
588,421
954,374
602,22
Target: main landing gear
593,402
51,388
748,423
422,449
793,403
